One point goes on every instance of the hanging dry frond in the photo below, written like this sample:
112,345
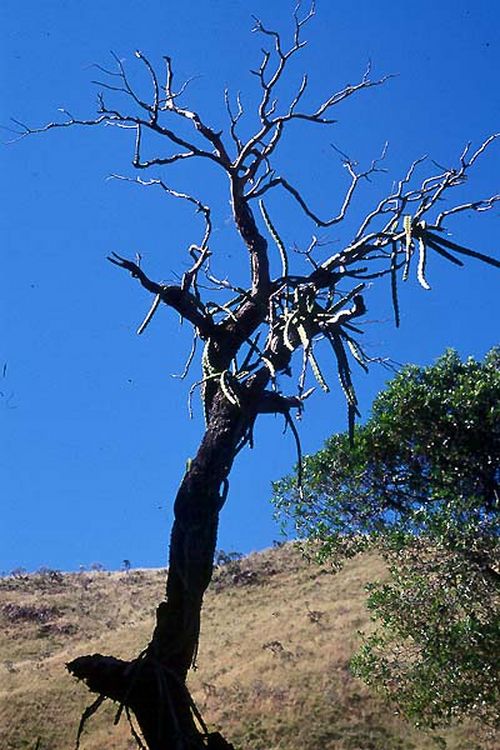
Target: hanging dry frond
227,388
407,247
394,284
422,257
274,234
439,240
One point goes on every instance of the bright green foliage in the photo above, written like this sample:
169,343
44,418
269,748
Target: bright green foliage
421,485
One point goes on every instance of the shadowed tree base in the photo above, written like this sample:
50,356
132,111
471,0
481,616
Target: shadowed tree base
160,701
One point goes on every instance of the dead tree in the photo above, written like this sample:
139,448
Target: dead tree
250,335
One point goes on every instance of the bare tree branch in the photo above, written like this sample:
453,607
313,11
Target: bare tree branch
355,178
186,304
275,403
272,124
199,253
389,238
208,133
234,118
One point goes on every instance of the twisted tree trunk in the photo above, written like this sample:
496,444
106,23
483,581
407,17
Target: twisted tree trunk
153,685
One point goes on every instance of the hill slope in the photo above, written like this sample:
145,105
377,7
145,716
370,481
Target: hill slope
273,661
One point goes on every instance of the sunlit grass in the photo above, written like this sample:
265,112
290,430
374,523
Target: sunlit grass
277,636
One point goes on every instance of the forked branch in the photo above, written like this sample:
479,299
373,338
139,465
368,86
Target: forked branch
181,300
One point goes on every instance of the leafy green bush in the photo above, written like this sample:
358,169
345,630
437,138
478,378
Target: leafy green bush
421,485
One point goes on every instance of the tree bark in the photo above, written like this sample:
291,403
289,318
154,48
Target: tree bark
153,686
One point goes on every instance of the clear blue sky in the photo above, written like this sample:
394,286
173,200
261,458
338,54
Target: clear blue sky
94,431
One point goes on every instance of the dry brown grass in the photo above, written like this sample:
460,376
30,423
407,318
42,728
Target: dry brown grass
273,662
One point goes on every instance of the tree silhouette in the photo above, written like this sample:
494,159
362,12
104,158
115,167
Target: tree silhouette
250,334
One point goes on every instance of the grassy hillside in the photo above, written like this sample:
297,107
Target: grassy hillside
272,667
